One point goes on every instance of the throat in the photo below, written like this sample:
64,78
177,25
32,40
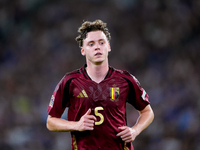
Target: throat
97,74
97,80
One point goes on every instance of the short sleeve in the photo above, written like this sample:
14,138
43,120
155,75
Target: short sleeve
137,96
59,99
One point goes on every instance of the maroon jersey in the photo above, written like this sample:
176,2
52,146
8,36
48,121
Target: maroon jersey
107,101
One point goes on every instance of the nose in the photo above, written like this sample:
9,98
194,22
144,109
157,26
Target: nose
97,47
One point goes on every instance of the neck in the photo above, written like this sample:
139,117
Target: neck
97,72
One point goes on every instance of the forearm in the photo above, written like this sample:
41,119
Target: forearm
128,134
144,120
60,125
85,123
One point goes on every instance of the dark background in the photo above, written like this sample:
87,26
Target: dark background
157,41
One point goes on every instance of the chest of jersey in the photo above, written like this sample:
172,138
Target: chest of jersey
108,97
110,92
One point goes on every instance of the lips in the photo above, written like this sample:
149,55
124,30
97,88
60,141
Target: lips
98,54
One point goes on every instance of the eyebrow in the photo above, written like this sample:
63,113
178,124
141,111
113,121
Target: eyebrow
98,40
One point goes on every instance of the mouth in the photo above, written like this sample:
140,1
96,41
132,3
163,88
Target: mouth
98,54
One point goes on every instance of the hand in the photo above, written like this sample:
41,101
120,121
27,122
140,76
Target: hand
86,122
127,134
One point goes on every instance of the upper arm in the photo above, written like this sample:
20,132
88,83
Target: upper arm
147,109
137,96
60,98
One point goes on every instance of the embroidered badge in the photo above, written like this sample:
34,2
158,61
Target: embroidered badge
51,101
114,93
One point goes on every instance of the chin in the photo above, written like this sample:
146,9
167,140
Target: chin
98,62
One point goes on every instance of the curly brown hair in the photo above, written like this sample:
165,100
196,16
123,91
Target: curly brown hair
88,26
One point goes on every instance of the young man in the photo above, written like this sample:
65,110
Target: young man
96,96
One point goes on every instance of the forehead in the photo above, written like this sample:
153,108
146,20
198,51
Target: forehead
95,36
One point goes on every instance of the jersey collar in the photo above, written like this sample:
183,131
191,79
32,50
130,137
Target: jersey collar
88,77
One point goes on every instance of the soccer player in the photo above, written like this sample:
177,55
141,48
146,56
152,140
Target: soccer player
96,97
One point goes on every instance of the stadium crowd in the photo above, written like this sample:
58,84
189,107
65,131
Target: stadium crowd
157,41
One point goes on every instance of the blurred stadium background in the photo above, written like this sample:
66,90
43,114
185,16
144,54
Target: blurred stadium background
157,41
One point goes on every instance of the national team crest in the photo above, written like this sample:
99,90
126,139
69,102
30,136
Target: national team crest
114,93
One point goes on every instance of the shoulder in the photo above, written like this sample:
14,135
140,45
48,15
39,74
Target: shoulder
122,73
126,75
69,76
74,73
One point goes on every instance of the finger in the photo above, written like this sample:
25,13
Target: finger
123,132
89,124
88,112
90,120
89,128
86,126
122,127
126,136
127,140
90,117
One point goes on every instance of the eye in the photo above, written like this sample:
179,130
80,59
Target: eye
102,42
91,44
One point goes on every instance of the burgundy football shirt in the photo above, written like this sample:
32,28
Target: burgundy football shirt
107,100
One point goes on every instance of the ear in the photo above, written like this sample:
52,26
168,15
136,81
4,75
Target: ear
109,48
82,51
